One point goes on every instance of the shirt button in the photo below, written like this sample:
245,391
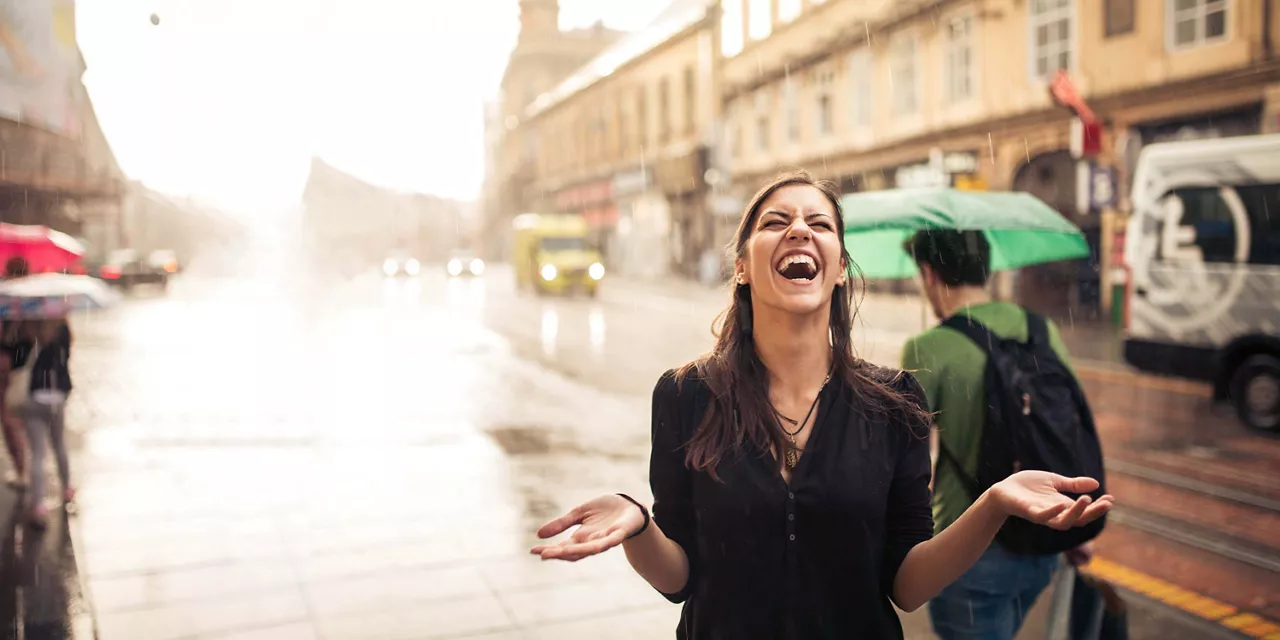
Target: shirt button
791,496
793,537
791,516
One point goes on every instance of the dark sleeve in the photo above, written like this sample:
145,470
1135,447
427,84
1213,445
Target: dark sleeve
669,478
909,517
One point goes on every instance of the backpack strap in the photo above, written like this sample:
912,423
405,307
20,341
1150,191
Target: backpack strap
1037,329
977,332
969,482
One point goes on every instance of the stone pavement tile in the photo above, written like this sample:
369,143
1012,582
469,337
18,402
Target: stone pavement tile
367,561
642,624
178,554
579,599
529,572
159,588
204,617
394,588
291,631
439,619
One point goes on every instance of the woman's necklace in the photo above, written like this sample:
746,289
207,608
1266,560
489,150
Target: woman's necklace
793,453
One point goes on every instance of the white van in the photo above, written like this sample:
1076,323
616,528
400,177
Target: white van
1203,254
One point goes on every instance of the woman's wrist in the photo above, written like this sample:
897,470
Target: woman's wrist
643,511
993,504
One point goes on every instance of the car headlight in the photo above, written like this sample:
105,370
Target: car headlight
412,267
548,272
390,267
477,267
455,267
596,271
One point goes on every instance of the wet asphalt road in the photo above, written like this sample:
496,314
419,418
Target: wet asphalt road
280,455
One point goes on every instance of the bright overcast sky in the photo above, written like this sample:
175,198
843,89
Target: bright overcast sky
228,99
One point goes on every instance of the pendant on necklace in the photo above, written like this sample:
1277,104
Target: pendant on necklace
793,456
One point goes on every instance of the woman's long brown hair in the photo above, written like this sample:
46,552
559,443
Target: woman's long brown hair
740,414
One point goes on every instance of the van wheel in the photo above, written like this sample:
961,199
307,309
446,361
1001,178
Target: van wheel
1255,391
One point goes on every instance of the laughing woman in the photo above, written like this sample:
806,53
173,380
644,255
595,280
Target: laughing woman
790,478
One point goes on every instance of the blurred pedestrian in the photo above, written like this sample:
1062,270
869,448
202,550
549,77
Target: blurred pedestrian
963,366
791,478
44,413
15,352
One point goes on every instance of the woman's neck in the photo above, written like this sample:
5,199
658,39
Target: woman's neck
796,350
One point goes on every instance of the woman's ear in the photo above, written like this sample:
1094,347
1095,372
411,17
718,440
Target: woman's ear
739,272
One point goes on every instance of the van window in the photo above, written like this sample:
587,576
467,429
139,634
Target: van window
1206,211
563,244
1262,201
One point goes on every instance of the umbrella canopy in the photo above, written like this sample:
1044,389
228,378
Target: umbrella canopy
51,295
43,248
1021,229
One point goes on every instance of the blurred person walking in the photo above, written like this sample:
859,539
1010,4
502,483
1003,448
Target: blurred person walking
999,378
15,352
791,478
49,388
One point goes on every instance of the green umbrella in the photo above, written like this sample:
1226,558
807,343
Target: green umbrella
1021,229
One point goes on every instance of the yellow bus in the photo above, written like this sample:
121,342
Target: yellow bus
552,254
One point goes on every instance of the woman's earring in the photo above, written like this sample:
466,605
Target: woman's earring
742,280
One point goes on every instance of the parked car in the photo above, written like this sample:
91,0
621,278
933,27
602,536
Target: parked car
464,266
125,269
401,266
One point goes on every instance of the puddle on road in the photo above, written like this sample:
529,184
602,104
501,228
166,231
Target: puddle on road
523,441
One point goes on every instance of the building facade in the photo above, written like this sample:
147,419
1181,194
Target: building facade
624,142
889,93
544,55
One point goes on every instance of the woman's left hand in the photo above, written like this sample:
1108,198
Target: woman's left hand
1038,496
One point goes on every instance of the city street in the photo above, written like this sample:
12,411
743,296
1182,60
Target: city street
275,454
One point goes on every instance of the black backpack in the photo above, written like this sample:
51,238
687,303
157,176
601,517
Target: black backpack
1037,418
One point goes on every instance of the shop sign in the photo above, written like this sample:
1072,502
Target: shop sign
631,182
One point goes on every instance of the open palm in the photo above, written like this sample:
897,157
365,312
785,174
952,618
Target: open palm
603,523
1038,496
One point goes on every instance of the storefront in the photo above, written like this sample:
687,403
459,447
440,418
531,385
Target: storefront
639,245
594,202
681,180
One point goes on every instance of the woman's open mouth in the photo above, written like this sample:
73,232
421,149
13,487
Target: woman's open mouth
798,267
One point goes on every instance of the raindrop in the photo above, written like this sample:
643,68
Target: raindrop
1026,146
991,146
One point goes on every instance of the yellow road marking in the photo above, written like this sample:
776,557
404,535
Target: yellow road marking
1198,605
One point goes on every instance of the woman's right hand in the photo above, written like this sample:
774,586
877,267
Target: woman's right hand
603,523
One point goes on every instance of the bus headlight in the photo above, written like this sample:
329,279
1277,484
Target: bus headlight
455,267
477,267
390,267
412,267
548,272
596,271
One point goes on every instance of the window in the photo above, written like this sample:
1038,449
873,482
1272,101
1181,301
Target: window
823,80
793,109
690,100
1204,210
788,10
730,27
759,19
905,74
664,110
762,120
1052,36
624,132
1118,16
960,58
1196,22
642,119
1262,202
860,87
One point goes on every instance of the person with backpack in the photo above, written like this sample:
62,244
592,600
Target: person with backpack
999,380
